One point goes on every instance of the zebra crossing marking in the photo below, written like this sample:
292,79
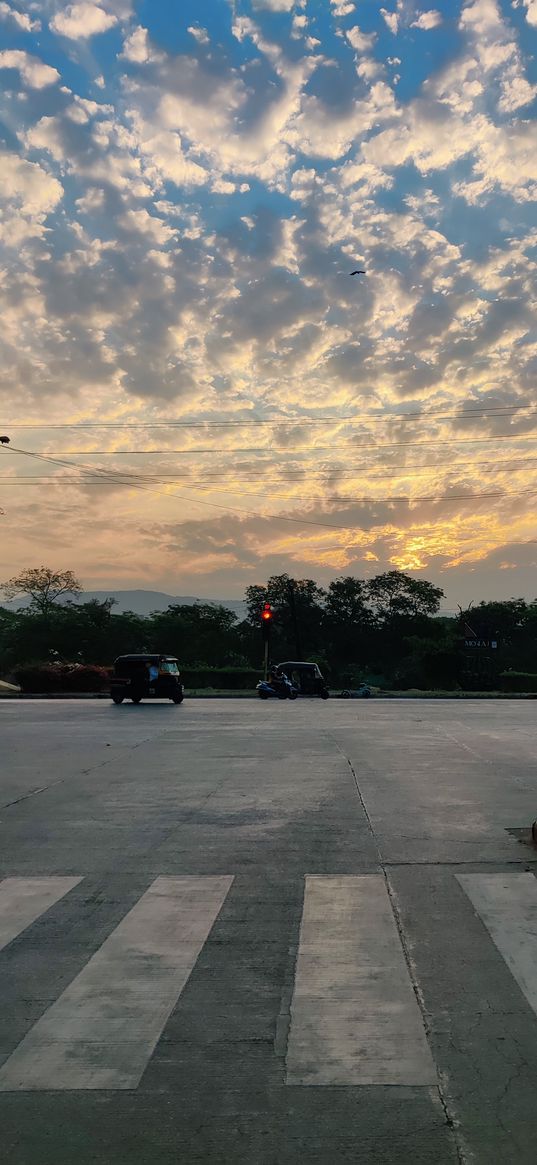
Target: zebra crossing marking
354,1015
103,1029
507,905
23,900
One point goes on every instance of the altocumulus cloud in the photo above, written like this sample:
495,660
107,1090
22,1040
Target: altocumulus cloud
182,204
81,21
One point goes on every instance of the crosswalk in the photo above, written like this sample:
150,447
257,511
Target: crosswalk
23,900
354,1016
507,905
102,1030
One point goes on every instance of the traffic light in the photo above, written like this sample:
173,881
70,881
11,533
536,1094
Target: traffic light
266,620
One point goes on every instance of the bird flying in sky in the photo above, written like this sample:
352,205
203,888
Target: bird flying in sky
356,272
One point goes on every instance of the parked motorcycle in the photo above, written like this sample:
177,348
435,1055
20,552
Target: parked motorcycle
281,689
361,693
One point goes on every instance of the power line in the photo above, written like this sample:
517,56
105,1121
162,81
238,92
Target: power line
111,478
483,411
181,497
209,488
234,450
220,475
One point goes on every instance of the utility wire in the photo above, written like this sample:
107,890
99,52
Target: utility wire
181,497
111,478
484,410
220,475
336,498
234,450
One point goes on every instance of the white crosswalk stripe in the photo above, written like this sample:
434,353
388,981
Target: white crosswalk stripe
355,1019
23,900
507,904
103,1029
354,1015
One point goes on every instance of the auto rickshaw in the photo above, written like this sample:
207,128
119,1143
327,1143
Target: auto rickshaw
307,678
138,677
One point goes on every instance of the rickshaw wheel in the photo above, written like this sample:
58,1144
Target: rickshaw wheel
177,699
324,694
118,699
136,699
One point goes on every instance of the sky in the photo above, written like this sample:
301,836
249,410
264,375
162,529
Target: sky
198,393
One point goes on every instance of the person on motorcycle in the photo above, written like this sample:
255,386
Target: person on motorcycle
276,676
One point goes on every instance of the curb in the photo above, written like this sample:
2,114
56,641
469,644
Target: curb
107,696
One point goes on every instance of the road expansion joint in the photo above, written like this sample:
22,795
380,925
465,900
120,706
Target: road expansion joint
360,796
81,773
451,1121
463,1156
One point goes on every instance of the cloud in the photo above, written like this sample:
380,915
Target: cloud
140,222
405,16
200,34
138,49
82,21
516,89
427,20
342,7
391,19
34,72
361,41
162,286
274,5
164,157
239,123
92,146
21,20
531,11
481,17
28,195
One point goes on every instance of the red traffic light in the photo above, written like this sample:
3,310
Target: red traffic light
266,613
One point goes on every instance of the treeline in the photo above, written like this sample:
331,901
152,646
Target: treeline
386,631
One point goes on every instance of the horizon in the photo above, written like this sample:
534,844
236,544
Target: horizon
198,393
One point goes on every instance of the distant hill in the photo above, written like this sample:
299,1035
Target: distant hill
143,602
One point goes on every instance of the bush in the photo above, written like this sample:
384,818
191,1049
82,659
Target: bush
518,681
85,678
37,678
40,679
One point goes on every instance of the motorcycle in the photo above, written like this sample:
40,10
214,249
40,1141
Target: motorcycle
281,689
361,693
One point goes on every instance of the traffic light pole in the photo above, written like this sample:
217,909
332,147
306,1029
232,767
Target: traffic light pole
266,623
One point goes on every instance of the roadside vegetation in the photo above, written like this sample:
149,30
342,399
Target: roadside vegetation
386,631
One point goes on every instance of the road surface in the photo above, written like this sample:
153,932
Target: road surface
261,934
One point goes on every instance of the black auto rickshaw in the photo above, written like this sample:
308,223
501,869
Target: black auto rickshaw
307,678
137,677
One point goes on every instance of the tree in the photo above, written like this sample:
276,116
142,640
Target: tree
496,620
512,624
45,587
198,633
346,602
298,613
395,594
71,632
348,625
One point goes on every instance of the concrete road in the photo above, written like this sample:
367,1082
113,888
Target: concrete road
259,934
